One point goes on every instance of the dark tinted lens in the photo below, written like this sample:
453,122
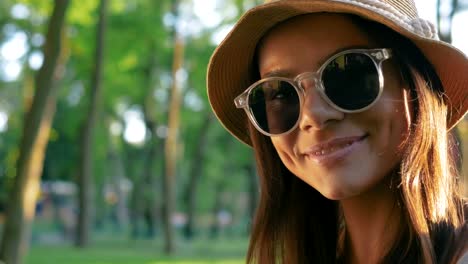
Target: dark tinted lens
275,106
351,81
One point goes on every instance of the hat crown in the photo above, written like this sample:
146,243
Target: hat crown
405,7
404,12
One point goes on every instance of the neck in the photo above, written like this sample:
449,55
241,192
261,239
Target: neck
372,222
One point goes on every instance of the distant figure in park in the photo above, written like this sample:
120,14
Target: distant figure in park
348,104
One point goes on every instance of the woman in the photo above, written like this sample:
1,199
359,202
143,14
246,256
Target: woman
347,106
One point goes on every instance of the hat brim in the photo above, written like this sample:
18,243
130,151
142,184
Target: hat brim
231,65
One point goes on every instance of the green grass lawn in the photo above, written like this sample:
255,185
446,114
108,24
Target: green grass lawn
121,251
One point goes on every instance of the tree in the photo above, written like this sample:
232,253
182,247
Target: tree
172,136
36,128
85,178
154,147
198,159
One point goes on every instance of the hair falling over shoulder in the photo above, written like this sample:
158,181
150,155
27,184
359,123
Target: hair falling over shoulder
286,227
296,224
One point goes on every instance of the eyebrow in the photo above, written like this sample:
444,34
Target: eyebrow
286,73
277,73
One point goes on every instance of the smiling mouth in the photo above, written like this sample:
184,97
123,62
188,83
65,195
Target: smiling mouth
334,149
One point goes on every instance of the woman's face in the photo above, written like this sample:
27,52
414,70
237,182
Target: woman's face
340,155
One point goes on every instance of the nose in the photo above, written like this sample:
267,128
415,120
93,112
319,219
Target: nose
316,112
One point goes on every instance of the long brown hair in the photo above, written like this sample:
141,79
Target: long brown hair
294,223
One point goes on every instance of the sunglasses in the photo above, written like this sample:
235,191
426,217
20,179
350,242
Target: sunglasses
350,81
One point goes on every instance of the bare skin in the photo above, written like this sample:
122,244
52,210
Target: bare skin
371,224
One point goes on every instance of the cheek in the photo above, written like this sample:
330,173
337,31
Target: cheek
392,122
398,98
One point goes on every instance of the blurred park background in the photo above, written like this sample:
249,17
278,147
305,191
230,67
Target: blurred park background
109,150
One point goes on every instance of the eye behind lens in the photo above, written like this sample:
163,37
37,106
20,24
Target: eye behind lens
275,106
351,81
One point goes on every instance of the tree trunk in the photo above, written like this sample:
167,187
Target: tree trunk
171,140
154,146
171,148
133,170
38,119
85,178
190,193
117,181
135,212
149,202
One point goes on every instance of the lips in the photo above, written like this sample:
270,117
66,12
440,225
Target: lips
333,149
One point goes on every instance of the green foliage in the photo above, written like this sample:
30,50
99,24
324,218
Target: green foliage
40,7
137,72
83,12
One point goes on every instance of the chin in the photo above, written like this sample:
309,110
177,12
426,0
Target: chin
335,194
340,192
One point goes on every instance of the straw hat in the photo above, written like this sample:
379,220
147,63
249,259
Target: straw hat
231,65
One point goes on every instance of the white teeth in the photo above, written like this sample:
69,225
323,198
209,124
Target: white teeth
331,149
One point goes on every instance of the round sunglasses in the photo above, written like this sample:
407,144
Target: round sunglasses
351,81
